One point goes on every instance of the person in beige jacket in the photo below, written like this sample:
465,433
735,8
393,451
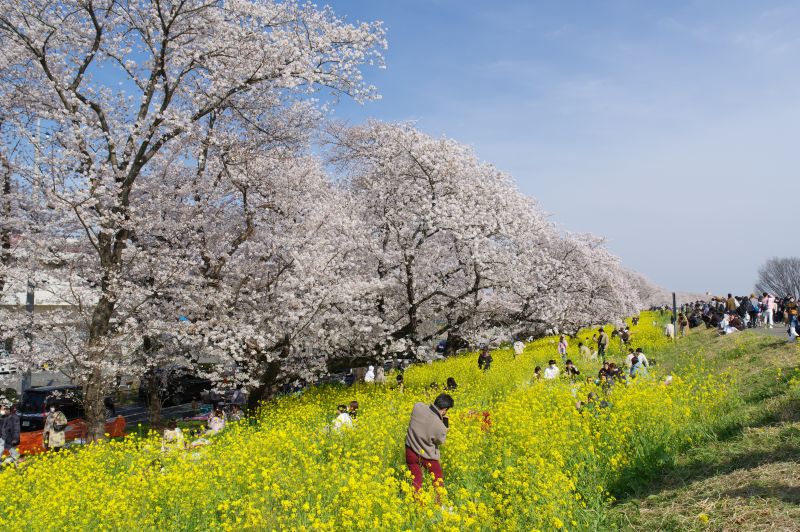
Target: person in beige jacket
427,430
54,434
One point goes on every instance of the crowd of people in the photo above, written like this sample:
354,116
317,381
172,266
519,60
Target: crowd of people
737,313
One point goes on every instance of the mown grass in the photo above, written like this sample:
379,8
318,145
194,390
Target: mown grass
744,476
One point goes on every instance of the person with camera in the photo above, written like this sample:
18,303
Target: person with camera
55,426
427,431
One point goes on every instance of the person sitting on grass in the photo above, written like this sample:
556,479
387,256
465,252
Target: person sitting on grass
537,373
604,371
343,419
216,422
551,371
571,371
236,413
173,437
352,410
451,384
615,373
726,325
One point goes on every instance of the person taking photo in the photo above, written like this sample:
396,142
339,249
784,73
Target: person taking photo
427,431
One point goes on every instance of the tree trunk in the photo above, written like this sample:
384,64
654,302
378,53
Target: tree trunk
454,343
93,401
153,404
152,384
95,384
5,218
264,391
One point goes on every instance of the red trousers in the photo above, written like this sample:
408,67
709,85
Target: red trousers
415,464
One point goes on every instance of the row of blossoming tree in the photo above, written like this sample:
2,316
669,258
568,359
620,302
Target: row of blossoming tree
170,176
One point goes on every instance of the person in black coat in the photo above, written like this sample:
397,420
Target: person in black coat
9,431
484,360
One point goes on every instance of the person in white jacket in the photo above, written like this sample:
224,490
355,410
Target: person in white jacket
551,371
669,330
343,419
519,347
370,376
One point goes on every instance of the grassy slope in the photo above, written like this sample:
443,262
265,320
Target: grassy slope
748,476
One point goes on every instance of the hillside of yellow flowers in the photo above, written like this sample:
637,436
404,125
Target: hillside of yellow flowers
538,463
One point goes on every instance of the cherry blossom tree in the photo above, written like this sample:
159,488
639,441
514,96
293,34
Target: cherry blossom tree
124,89
161,179
446,231
593,288
279,282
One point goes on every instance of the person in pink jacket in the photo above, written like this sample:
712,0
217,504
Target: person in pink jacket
769,309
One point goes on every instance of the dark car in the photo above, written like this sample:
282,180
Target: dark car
36,402
176,385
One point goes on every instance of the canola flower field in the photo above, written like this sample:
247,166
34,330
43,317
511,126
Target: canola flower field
540,465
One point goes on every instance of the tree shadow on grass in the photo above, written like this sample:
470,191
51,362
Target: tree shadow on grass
782,492
766,406
640,484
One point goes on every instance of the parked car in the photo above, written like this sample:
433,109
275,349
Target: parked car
33,410
36,401
177,385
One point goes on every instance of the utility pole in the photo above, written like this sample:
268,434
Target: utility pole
30,301
30,296
674,312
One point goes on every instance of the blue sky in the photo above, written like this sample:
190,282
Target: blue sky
671,128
